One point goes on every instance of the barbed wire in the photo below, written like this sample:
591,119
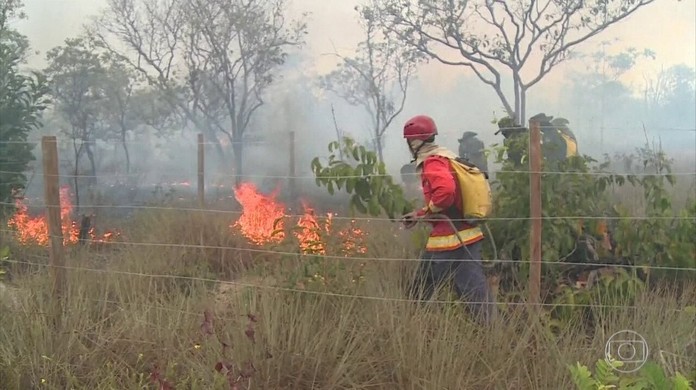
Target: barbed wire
375,259
314,292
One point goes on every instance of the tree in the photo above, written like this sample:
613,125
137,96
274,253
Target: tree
523,40
376,78
23,98
671,96
77,77
119,109
362,176
212,59
600,90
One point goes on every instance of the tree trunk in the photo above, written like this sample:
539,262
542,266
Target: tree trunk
523,106
517,91
125,151
211,138
76,172
92,182
338,133
93,166
378,143
238,148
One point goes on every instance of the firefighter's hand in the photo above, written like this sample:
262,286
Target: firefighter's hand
410,220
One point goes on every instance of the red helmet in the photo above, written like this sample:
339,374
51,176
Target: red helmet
420,127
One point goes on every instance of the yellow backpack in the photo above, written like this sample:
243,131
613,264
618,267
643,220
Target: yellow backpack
474,189
571,145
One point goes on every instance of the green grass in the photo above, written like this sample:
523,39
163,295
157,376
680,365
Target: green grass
120,325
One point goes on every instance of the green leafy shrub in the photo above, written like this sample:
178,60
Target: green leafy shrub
22,100
578,187
4,256
649,377
586,228
571,191
361,175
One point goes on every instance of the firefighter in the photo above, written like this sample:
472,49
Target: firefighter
558,141
471,149
514,142
558,144
446,256
561,125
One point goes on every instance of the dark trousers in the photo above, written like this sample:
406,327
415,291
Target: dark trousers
463,267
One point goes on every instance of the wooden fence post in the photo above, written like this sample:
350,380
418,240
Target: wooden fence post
201,171
49,150
535,211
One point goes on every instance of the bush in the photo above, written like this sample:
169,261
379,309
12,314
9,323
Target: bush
649,377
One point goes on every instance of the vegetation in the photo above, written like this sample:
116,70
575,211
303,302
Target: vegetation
219,61
498,40
22,101
587,224
218,313
651,376
181,299
595,251
363,176
376,79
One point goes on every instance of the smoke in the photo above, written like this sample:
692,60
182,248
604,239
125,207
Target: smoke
295,105
453,96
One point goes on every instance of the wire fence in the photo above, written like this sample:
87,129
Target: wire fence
310,292
277,139
367,258
334,216
313,177
319,216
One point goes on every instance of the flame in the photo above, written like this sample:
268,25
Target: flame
259,215
309,233
262,215
353,239
34,230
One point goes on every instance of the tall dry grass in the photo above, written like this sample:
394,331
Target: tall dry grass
284,321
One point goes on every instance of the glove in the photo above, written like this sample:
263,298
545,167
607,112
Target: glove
411,219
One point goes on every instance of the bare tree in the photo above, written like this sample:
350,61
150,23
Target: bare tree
669,97
500,40
376,78
120,110
76,78
214,59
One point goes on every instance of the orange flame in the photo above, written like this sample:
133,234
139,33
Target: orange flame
263,214
34,230
353,240
259,215
309,234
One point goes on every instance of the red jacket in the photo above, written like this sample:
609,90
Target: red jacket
442,196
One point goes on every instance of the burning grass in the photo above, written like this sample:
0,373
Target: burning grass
225,310
34,229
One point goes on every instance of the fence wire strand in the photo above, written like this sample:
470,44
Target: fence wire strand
312,177
314,292
358,218
374,259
